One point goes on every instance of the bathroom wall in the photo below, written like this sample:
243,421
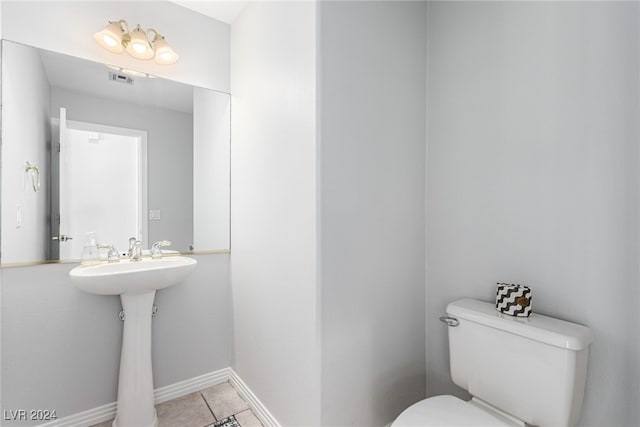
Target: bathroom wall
27,136
55,337
373,110
169,154
274,208
211,169
68,27
533,176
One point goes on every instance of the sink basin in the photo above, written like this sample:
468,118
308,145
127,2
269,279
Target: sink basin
132,277
136,282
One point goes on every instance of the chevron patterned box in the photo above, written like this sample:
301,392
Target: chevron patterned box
513,299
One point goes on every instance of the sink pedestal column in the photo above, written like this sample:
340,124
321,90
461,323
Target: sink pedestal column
135,385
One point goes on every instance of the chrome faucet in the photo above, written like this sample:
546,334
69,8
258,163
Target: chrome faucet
112,255
156,252
135,249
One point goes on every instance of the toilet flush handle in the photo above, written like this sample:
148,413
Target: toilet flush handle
450,320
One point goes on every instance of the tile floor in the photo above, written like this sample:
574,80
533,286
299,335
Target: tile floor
203,408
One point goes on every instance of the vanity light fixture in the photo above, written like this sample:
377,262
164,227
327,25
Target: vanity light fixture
115,38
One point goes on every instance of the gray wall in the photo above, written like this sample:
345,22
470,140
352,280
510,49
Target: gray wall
211,169
533,176
26,136
372,153
169,155
56,337
274,210
60,347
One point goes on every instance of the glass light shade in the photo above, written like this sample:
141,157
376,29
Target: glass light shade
139,46
164,54
110,37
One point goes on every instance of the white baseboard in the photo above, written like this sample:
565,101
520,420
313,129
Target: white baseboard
255,404
163,394
86,418
191,385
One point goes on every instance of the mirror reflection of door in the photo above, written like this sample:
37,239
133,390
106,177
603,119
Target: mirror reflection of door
102,180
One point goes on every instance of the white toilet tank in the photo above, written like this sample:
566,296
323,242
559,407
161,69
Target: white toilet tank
532,368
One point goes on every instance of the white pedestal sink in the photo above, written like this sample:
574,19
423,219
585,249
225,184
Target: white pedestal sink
136,282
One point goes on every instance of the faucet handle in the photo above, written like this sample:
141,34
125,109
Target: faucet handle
156,252
112,255
133,243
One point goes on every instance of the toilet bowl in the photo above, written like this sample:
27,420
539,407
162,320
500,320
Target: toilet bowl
520,371
441,411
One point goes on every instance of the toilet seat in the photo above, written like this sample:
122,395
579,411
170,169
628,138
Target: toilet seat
441,411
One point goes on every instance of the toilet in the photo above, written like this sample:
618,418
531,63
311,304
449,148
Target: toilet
520,371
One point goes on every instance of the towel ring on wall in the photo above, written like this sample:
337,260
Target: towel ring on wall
34,172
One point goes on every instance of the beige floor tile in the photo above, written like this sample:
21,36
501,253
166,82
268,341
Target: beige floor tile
104,424
188,411
248,419
224,400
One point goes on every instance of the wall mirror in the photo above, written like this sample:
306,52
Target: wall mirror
92,148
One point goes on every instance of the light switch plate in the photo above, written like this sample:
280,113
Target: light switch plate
154,215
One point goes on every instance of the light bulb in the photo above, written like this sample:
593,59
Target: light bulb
110,37
164,54
139,46
109,41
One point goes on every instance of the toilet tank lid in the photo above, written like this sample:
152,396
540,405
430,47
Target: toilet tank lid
556,332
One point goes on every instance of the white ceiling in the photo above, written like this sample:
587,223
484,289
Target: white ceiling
225,11
93,78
